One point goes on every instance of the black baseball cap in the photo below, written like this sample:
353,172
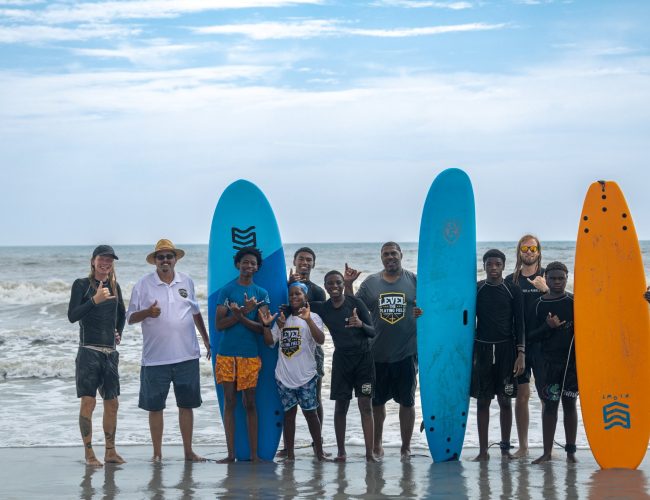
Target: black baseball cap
104,250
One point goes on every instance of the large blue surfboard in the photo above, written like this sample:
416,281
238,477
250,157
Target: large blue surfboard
244,218
446,292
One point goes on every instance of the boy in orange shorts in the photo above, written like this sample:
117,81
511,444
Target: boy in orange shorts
238,364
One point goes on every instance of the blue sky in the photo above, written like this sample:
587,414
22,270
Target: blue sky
124,121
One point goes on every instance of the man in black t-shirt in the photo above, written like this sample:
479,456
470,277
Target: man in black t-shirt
529,277
499,352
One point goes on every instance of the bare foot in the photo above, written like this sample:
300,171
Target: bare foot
378,452
313,447
571,458
520,453
340,457
289,458
484,456
193,457
371,458
156,459
92,461
227,460
112,457
405,455
258,460
282,453
546,457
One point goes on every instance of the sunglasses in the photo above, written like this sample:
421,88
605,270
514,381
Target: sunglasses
167,256
525,248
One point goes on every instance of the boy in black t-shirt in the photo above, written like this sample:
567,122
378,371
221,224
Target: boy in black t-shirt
556,375
498,350
350,326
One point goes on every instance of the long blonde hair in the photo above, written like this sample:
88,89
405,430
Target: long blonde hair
519,264
112,279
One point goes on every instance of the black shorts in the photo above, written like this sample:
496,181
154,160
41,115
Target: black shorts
492,366
551,379
352,371
155,380
97,371
396,381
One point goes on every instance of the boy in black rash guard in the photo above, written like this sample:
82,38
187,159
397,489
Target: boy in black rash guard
528,275
498,350
350,326
556,374
96,303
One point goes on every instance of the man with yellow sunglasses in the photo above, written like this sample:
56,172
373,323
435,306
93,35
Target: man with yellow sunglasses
529,277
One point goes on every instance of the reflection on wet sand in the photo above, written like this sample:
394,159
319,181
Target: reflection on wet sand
619,483
62,475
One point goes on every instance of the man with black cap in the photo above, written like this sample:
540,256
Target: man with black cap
96,303
165,303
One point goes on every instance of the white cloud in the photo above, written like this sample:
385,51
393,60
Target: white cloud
40,33
424,4
21,3
158,53
64,12
323,27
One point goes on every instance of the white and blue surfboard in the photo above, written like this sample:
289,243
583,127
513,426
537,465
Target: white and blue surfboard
446,292
243,218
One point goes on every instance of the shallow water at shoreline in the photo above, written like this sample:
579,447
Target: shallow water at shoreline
38,347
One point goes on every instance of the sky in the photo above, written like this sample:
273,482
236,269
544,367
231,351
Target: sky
124,121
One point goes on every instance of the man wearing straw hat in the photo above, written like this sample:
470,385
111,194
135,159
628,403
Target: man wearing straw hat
165,303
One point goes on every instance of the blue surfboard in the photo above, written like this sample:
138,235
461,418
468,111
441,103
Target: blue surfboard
243,218
446,292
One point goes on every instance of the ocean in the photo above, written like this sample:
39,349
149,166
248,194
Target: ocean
38,347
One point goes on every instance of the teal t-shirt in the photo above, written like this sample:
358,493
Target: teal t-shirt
239,340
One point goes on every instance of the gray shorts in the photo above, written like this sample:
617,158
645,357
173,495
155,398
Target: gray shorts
155,381
97,371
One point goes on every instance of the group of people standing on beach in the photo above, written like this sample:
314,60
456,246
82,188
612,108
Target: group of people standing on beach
524,326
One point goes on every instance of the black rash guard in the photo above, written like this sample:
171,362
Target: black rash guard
499,313
97,323
555,341
348,340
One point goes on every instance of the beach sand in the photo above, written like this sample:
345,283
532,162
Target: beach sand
61,473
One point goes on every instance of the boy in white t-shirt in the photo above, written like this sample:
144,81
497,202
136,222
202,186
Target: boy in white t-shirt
295,373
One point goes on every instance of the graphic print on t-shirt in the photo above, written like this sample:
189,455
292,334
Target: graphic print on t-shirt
290,341
392,306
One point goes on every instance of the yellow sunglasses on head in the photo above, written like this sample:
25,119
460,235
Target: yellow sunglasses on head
526,248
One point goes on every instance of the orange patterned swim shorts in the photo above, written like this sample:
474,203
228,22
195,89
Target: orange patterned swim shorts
244,371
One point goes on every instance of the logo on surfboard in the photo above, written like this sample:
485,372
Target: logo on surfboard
451,232
616,414
243,238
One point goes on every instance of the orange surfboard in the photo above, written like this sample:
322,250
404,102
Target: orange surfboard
612,330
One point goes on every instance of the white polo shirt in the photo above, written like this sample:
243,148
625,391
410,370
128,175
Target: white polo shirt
171,337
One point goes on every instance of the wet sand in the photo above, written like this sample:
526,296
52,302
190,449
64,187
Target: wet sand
60,473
